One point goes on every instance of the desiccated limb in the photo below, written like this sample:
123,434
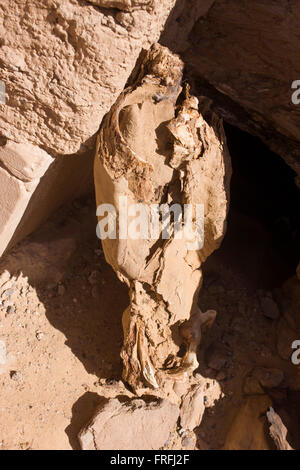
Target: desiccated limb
138,367
191,331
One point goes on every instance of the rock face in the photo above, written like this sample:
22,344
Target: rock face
261,378
21,167
125,5
62,65
246,55
131,425
159,145
192,408
247,431
70,60
67,65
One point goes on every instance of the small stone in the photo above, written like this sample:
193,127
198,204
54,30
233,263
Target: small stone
192,408
39,335
180,388
189,441
17,376
121,424
269,378
10,309
270,308
8,293
125,19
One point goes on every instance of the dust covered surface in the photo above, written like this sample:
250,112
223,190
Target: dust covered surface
61,329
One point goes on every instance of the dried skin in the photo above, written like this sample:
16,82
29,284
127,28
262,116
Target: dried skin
155,147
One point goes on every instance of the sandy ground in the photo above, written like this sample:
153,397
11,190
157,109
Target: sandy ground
237,277
60,321
60,331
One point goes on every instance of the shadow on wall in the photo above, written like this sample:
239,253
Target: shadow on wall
69,176
181,22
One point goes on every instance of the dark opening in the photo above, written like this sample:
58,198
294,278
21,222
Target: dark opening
263,235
